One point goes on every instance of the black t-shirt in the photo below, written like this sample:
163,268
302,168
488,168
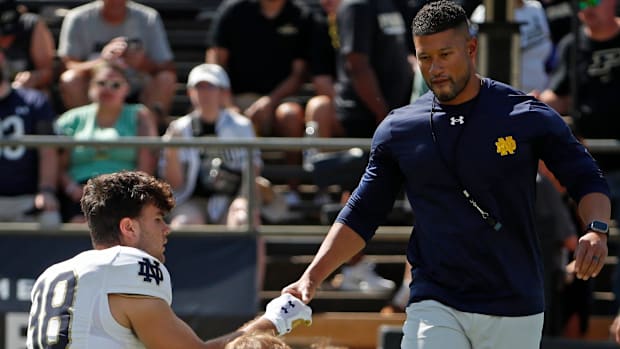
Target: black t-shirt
377,29
324,43
598,84
261,50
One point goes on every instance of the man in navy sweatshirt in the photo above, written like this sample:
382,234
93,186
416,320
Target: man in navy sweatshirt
467,153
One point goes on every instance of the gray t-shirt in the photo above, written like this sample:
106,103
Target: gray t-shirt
84,33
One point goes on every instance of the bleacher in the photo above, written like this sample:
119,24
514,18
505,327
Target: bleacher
348,318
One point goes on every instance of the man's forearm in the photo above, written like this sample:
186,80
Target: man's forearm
594,206
367,88
340,244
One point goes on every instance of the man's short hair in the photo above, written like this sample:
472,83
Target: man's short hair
438,16
108,198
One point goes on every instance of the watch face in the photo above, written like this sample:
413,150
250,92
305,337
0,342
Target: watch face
599,226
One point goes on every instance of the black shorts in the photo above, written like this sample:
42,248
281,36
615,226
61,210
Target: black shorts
357,121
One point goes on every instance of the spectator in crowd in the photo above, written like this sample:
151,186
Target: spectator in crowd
107,118
28,47
467,154
373,76
536,44
264,45
29,175
130,35
592,107
560,16
122,285
208,183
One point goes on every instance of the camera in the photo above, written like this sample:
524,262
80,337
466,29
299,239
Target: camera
134,44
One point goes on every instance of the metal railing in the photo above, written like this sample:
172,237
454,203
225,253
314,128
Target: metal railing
595,146
266,143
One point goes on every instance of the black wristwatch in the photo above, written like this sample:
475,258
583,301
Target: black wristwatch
598,227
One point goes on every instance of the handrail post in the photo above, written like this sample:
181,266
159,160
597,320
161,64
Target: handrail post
250,178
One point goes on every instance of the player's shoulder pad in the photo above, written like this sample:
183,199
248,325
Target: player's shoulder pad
133,271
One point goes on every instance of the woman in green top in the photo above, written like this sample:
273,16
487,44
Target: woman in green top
108,117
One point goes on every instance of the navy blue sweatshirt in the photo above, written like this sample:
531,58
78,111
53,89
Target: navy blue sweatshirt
491,146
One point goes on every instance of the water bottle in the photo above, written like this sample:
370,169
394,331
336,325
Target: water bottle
312,131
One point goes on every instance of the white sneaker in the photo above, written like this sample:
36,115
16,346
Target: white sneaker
362,277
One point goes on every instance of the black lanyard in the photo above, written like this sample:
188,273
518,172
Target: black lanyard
488,218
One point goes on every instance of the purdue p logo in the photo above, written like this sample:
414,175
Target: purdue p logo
151,271
506,145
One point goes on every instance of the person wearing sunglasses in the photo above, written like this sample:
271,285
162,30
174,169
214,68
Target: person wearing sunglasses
123,32
108,117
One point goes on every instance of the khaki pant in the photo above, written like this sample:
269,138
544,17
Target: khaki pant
432,325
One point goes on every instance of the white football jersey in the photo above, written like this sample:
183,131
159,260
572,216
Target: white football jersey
70,304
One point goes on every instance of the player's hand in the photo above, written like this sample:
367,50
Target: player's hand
590,255
286,312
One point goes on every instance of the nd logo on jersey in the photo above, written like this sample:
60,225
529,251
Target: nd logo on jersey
151,270
506,145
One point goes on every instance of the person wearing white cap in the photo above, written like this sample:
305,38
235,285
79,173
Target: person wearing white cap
207,183
210,73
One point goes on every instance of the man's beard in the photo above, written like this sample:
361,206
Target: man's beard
456,87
